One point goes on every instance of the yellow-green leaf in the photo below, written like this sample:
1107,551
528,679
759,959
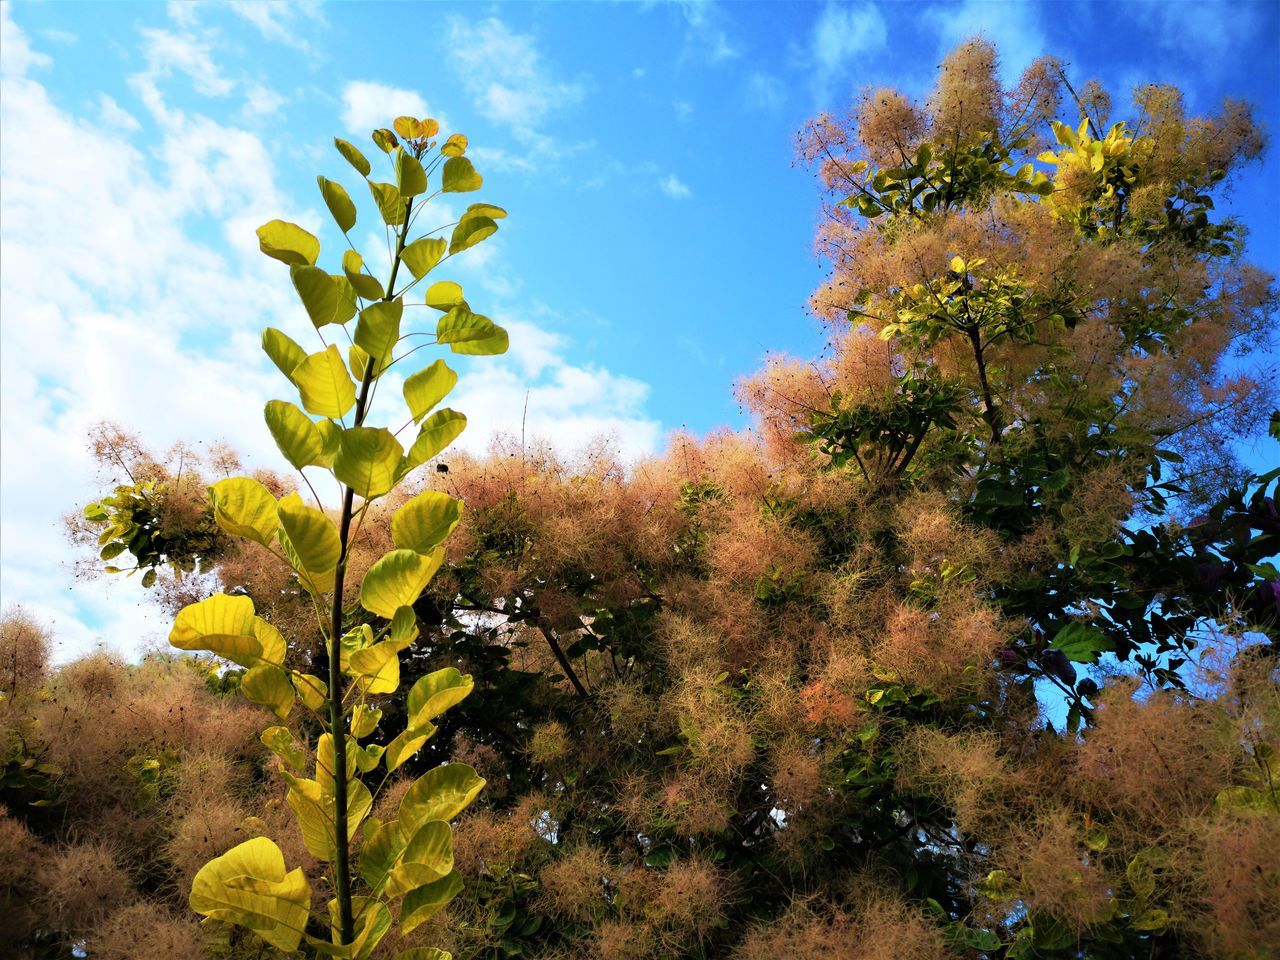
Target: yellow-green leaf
248,885
405,745
408,127
424,953
283,351
280,741
422,904
245,508
376,668
288,243
296,434
368,460
422,255
492,211
385,139
427,858
372,921
326,389
378,329
270,640
390,203
435,693
331,436
437,432
424,389
222,625
397,580
339,203
455,146
365,285
422,523
315,812
312,691
440,794
313,535
353,156
444,295
470,232
404,627
269,686
460,176
315,583
364,720
470,333
411,179
318,292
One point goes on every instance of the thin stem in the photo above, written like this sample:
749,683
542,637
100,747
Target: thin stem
337,695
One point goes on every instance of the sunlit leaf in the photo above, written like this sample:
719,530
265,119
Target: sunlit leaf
367,461
390,203
411,179
437,432
455,146
353,156
296,434
444,295
397,580
339,203
245,508
221,624
280,741
470,333
459,176
422,523
470,232
440,794
376,668
423,254
378,329
322,380
435,693
288,243
248,885
283,351
489,210
268,685
365,285
313,535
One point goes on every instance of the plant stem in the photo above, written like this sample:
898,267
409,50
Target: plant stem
337,714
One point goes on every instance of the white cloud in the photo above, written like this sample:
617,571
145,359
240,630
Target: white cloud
168,51
674,188
1014,28
765,90
114,115
841,33
705,33
367,105
16,55
504,74
259,101
148,313
276,20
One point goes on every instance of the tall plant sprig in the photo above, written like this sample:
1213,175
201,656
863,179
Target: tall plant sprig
409,858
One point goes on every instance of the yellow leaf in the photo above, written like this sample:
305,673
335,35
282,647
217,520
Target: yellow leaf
248,886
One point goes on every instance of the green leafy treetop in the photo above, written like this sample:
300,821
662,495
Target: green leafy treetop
407,861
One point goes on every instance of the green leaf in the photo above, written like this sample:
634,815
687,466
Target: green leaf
271,640
424,389
425,902
245,508
339,203
296,434
313,691
411,179
470,333
365,285
222,625
1242,800
248,886
435,693
288,243
376,668
1150,921
404,627
470,232
1079,643
364,720
314,808
283,351
428,857
460,176
1057,480
483,210
422,523
378,329
280,741
422,255
268,685
1141,878
353,156
444,295
368,461
322,380
397,580
331,435
437,432
424,953
390,203
313,536
385,139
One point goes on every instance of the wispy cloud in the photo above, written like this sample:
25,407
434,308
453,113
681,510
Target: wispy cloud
706,34
765,90
674,188
841,33
504,73
1014,28
367,105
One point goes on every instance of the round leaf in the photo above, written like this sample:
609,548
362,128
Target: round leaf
411,179
397,580
365,285
326,389
313,535
424,389
423,254
222,625
296,434
268,685
248,885
438,431
455,146
440,794
245,508
444,295
368,460
423,522
460,176
378,329
288,243
470,232
283,351
435,693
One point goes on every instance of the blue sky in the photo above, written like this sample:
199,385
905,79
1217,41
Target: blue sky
659,239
